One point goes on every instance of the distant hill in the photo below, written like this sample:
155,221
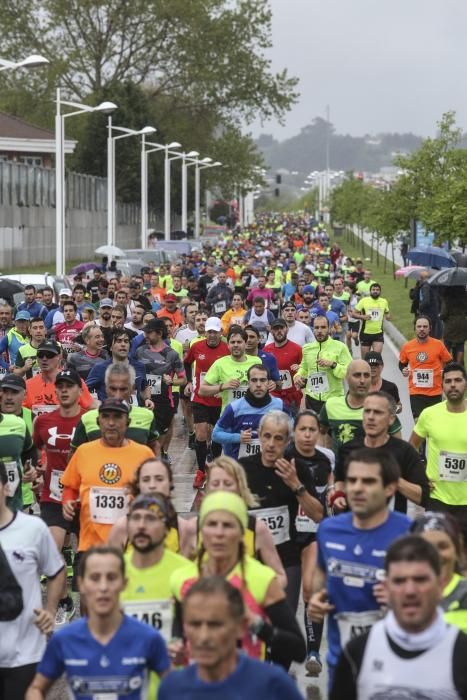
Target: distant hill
307,151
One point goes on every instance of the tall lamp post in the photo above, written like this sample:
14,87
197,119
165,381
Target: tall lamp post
198,192
111,194
32,61
196,162
104,108
183,156
145,151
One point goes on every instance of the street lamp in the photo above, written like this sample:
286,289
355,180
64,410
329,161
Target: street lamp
144,180
104,108
197,190
197,162
183,156
32,61
124,133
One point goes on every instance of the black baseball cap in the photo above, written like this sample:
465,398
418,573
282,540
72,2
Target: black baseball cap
374,358
68,375
114,405
49,346
278,323
13,381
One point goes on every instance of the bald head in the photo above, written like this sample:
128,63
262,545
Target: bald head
358,378
424,274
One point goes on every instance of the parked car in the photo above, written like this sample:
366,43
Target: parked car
39,281
148,255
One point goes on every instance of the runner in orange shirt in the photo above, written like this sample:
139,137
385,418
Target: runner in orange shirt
40,390
170,310
98,472
422,360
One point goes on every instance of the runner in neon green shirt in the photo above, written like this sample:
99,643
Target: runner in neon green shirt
373,311
228,375
444,426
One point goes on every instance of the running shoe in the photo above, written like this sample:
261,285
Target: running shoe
313,664
165,455
65,612
199,480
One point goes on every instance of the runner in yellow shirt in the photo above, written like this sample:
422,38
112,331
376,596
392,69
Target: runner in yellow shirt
373,311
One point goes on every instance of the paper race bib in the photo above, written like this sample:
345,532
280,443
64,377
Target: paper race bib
3,370
107,505
452,466
263,336
156,613
375,314
133,400
35,369
155,382
352,625
220,307
286,378
278,521
303,523
13,477
423,378
238,393
55,486
249,448
38,409
318,383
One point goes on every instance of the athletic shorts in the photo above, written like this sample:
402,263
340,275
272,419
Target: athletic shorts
314,404
205,414
52,515
176,402
418,402
369,338
353,326
163,414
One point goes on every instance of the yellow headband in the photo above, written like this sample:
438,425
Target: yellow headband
224,500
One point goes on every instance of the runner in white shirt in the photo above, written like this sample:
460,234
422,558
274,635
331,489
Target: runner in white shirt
31,552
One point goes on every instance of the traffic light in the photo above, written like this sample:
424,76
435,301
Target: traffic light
278,179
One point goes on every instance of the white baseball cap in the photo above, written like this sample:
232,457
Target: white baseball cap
213,324
65,292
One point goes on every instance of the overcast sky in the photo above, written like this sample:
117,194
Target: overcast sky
381,65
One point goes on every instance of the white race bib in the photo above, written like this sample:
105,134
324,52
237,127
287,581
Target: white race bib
375,314
452,466
220,307
318,383
155,382
352,625
286,378
13,477
303,523
249,448
423,378
156,613
263,336
55,486
133,400
3,370
238,393
277,519
107,505
38,409
35,369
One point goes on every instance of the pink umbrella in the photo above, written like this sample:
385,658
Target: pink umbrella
412,271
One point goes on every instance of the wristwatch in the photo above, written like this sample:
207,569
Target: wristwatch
334,365
300,491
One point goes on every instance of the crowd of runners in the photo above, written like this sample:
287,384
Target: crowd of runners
268,344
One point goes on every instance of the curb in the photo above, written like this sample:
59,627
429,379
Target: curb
394,333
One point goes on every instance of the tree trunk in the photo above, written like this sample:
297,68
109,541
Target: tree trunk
393,261
385,257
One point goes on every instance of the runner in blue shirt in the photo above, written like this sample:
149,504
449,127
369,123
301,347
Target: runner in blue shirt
237,428
347,582
107,654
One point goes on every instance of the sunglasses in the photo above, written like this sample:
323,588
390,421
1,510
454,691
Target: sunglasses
46,355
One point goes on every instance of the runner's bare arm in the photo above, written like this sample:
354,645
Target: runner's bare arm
39,687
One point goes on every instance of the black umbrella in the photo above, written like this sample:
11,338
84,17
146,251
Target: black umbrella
9,287
451,277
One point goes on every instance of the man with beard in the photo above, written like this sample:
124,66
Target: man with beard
422,360
105,321
26,363
444,426
297,331
288,356
237,428
373,311
206,409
